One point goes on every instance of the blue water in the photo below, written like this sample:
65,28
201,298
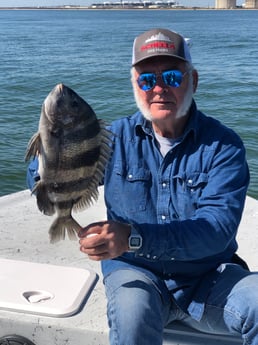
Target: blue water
90,51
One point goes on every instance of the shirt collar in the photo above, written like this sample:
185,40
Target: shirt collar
143,126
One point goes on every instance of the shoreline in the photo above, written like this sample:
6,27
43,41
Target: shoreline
94,7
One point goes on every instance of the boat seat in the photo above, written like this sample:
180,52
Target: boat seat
178,334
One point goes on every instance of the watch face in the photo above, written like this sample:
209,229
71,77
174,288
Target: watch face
135,242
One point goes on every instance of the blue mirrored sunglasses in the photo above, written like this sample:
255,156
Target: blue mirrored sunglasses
172,78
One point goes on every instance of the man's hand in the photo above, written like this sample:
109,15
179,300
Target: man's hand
104,240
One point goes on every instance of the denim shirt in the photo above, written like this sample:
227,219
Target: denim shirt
186,206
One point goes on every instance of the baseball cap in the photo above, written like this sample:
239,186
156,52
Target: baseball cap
160,42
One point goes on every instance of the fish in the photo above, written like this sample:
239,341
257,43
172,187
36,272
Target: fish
72,146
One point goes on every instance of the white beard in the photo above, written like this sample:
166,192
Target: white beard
139,102
188,98
183,109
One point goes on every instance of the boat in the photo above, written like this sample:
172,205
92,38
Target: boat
25,243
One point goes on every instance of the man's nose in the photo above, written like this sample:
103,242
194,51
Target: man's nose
160,84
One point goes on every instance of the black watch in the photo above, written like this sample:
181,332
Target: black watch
134,240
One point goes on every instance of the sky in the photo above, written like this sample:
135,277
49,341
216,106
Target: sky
21,3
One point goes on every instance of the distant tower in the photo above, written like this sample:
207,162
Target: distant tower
225,4
251,3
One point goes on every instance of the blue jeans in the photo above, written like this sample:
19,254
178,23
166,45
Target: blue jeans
139,307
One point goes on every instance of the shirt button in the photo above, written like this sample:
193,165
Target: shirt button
172,259
164,184
148,256
163,217
130,176
154,257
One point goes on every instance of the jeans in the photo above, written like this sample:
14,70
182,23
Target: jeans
139,307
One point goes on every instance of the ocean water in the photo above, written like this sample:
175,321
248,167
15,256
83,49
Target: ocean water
90,51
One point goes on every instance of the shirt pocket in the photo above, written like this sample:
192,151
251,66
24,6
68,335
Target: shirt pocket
131,188
188,190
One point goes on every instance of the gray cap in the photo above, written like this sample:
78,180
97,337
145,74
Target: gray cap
160,42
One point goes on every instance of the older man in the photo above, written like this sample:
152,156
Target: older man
175,189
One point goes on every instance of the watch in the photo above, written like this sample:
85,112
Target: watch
134,240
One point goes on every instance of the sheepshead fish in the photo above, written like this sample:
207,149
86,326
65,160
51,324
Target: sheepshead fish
73,147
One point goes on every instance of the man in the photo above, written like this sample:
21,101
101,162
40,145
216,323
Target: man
175,189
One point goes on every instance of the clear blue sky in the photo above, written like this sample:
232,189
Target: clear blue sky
4,3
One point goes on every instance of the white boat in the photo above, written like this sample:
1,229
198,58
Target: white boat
24,237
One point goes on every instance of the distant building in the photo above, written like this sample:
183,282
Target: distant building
135,4
251,3
227,4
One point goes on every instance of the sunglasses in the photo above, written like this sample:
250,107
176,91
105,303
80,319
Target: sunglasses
172,78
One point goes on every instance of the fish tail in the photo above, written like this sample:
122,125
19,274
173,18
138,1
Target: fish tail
62,225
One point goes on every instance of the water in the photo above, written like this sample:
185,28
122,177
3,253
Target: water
90,51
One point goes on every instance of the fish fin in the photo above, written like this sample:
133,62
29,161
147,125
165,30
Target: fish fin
45,205
90,196
62,225
33,147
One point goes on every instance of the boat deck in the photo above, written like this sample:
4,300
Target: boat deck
24,237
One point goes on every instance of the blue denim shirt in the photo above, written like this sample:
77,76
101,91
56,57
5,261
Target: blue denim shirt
187,205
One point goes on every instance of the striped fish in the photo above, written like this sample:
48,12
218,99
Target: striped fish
72,147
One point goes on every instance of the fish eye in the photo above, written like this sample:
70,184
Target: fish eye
56,132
